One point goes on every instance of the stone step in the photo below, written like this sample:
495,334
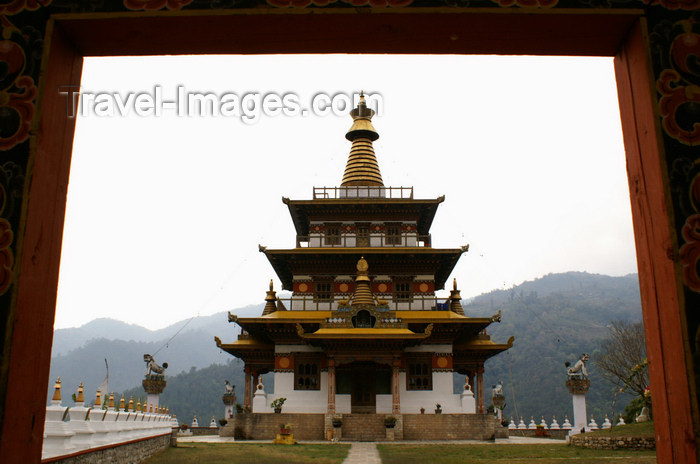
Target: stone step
363,427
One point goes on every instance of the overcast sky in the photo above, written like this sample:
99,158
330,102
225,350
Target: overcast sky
165,212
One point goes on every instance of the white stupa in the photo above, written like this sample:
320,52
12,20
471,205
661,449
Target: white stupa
566,425
555,424
592,424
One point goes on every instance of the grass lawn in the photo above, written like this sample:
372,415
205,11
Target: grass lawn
251,453
493,454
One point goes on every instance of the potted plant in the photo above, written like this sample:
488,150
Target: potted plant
337,422
285,429
438,408
422,410
223,422
277,405
239,408
390,422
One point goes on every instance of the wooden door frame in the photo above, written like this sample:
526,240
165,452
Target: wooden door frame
618,33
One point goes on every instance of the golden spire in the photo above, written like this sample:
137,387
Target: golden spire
138,405
362,167
455,297
363,291
57,390
121,404
131,404
80,398
98,398
270,300
111,400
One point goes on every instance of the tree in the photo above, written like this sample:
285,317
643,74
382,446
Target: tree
622,358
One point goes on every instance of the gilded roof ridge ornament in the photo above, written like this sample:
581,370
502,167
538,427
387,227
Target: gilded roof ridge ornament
363,291
270,301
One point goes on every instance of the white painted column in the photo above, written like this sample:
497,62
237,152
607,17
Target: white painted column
579,414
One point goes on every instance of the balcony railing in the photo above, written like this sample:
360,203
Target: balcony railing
373,240
416,303
362,191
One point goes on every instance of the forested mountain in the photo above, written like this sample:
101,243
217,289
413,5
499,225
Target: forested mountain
123,345
554,319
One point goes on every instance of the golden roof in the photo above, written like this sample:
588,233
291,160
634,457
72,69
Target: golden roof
362,167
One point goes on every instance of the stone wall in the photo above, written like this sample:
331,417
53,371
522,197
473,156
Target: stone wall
133,452
554,434
266,426
198,431
583,440
448,427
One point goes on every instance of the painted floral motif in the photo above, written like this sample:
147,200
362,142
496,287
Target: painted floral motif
527,3
156,4
16,113
679,85
690,252
15,6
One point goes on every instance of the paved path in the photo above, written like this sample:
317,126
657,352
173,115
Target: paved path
363,453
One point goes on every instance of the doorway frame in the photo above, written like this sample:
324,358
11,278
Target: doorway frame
619,33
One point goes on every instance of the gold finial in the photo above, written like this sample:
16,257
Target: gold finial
138,406
362,167
98,398
111,400
362,265
121,403
455,298
57,390
363,291
167,411
80,398
131,404
270,300
150,408
144,407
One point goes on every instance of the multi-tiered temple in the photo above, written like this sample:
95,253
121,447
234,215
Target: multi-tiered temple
363,331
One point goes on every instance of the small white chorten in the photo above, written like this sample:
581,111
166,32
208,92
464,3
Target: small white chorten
566,425
592,424
512,425
555,424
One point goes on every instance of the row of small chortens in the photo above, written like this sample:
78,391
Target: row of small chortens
566,425
78,428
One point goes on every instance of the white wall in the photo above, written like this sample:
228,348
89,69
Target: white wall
442,392
311,401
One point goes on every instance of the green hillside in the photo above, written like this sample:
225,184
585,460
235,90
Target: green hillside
554,319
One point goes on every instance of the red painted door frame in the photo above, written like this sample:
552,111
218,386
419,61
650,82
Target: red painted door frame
619,33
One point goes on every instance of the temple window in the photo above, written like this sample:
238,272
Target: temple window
362,235
306,375
393,234
324,291
332,236
419,375
402,291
